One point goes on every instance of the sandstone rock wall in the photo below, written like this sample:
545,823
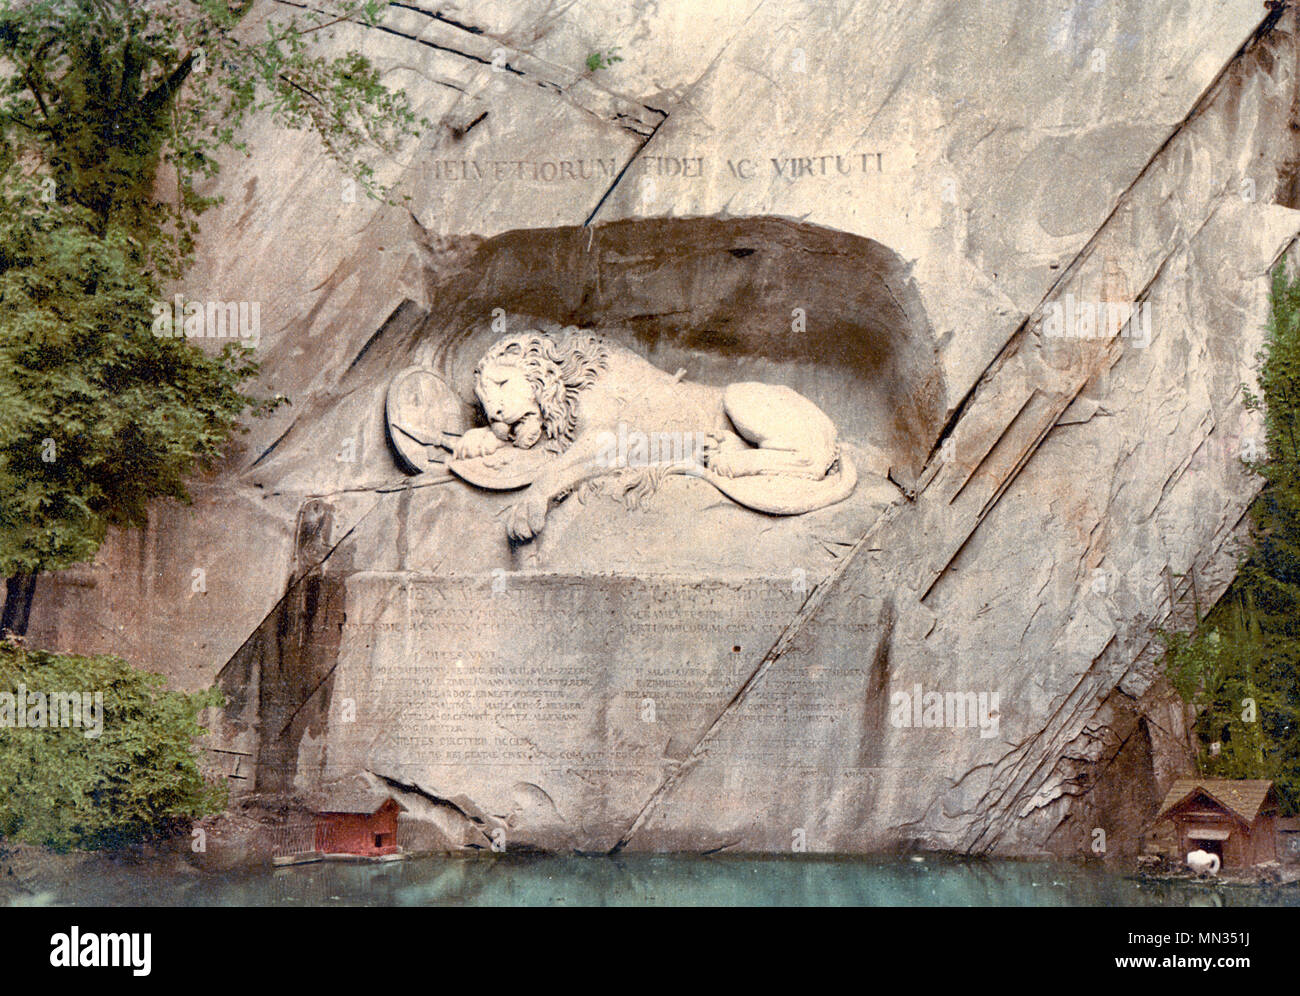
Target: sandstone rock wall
1054,499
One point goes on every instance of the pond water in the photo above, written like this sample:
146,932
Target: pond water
653,880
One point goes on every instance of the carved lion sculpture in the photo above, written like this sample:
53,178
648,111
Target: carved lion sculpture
598,409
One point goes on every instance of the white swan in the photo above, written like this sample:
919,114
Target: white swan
1202,862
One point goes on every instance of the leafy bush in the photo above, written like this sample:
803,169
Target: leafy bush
137,780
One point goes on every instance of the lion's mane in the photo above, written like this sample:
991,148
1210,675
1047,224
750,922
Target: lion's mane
558,371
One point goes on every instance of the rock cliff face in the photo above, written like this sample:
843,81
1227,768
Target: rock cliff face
922,219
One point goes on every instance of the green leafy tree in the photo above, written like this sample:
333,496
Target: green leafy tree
126,774
99,96
1241,668
100,100
97,415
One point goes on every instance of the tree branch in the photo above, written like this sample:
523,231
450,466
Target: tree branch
36,91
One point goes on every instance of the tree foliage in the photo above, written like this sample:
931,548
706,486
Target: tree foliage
99,96
137,780
1241,668
97,415
101,101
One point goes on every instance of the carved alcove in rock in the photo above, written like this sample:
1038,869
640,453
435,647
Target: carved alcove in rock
718,297
833,316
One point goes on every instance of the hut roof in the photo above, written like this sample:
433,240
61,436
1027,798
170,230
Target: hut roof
1242,797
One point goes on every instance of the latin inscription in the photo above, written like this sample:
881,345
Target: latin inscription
822,166
562,674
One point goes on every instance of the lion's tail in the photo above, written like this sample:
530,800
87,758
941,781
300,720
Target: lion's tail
778,494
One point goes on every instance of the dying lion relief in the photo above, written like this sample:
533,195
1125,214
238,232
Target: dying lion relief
597,410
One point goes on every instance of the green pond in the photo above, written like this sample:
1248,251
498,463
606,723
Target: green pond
654,880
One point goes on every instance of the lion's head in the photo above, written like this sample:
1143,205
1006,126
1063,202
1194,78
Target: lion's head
528,384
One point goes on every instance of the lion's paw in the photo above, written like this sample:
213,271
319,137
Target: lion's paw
476,443
723,464
527,516
719,454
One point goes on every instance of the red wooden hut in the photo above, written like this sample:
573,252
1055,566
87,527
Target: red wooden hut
357,819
